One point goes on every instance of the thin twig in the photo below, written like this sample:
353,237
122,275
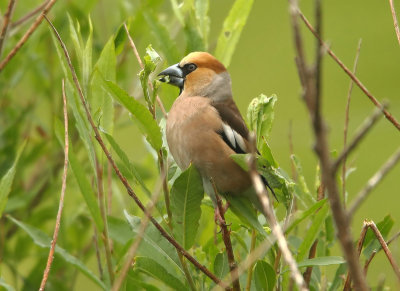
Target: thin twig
132,44
365,127
29,15
26,36
134,247
311,99
227,240
270,216
109,188
98,256
389,116
359,248
105,236
373,182
129,189
346,122
311,255
6,23
63,188
388,253
367,262
395,22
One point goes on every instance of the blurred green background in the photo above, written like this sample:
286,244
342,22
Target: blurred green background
263,62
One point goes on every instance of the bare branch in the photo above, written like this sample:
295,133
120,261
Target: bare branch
389,116
395,22
134,247
346,122
63,188
129,189
269,214
26,36
373,182
6,23
361,133
29,15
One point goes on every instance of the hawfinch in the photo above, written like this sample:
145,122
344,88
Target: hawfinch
204,125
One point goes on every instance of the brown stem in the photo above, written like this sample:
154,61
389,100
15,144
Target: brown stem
227,242
395,22
29,15
26,36
346,123
311,99
6,23
311,255
388,116
129,189
61,203
269,214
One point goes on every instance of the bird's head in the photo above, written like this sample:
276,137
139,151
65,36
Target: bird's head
199,74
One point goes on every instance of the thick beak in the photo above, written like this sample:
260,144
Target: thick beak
175,76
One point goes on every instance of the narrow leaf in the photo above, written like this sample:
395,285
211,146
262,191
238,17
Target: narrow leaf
147,125
300,216
371,242
41,239
312,232
186,195
232,29
322,261
221,265
7,180
154,269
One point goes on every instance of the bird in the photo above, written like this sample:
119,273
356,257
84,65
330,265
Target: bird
204,126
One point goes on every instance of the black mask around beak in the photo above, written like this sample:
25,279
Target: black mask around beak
175,76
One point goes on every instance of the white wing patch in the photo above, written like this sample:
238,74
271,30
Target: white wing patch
233,139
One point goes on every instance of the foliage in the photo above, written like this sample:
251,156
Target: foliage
31,171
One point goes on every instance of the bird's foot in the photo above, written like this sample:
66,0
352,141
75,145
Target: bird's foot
219,220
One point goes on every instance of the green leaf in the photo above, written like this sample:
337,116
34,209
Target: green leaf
7,180
231,30
312,232
154,269
201,13
260,115
321,261
244,210
86,189
301,187
186,195
371,242
119,230
120,39
147,125
300,216
221,265
151,59
5,285
41,239
264,276
155,246
337,281
101,103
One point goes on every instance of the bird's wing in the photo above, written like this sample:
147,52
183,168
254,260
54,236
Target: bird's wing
234,130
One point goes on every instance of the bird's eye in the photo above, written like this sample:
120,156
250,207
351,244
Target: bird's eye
191,67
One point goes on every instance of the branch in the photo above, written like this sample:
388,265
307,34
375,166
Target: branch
26,36
389,116
365,128
129,189
346,122
270,216
373,182
134,247
396,24
6,23
227,241
29,15
61,203
312,101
